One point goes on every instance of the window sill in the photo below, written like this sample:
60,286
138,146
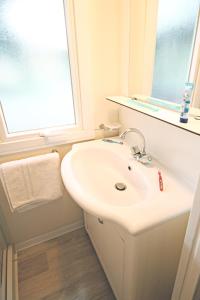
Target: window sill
39,142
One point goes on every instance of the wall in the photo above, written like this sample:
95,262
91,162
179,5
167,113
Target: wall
174,147
24,226
98,38
98,26
138,40
107,67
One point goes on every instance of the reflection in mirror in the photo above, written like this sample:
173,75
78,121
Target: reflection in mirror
175,41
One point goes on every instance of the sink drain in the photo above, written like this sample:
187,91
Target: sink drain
120,186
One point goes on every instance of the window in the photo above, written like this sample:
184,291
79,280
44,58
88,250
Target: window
41,102
176,27
35,81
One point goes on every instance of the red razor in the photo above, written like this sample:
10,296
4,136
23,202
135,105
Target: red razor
160,181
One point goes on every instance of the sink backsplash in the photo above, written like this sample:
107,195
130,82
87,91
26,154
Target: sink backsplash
177,149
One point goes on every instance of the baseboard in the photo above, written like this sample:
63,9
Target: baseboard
49,236
9,274
9,284
3,275
16,288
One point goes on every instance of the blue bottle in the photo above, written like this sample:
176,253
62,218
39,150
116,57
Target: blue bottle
186,102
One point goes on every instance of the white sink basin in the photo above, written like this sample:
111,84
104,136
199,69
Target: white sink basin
98,169
91,170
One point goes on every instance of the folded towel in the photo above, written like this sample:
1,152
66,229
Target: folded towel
32,181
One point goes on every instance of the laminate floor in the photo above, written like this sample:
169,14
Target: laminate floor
65,268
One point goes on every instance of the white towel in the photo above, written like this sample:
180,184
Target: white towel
32,181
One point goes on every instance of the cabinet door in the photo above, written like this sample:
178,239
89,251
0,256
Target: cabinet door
110,250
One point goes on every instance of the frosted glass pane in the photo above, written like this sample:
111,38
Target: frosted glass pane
175,33
35,81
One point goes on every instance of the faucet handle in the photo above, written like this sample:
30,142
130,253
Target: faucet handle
135,150
145,159
141,156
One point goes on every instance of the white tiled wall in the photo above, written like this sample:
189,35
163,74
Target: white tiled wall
175,148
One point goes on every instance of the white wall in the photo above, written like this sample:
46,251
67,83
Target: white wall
138,41
177,149
98,24
20,227
103,54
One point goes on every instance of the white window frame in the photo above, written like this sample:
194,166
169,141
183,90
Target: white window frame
84,127
149,54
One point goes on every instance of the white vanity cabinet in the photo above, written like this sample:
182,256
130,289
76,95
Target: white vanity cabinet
142,266
109,247
140,233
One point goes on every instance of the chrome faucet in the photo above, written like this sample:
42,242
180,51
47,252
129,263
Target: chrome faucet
139,155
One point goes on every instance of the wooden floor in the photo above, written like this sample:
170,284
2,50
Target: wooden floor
65,268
